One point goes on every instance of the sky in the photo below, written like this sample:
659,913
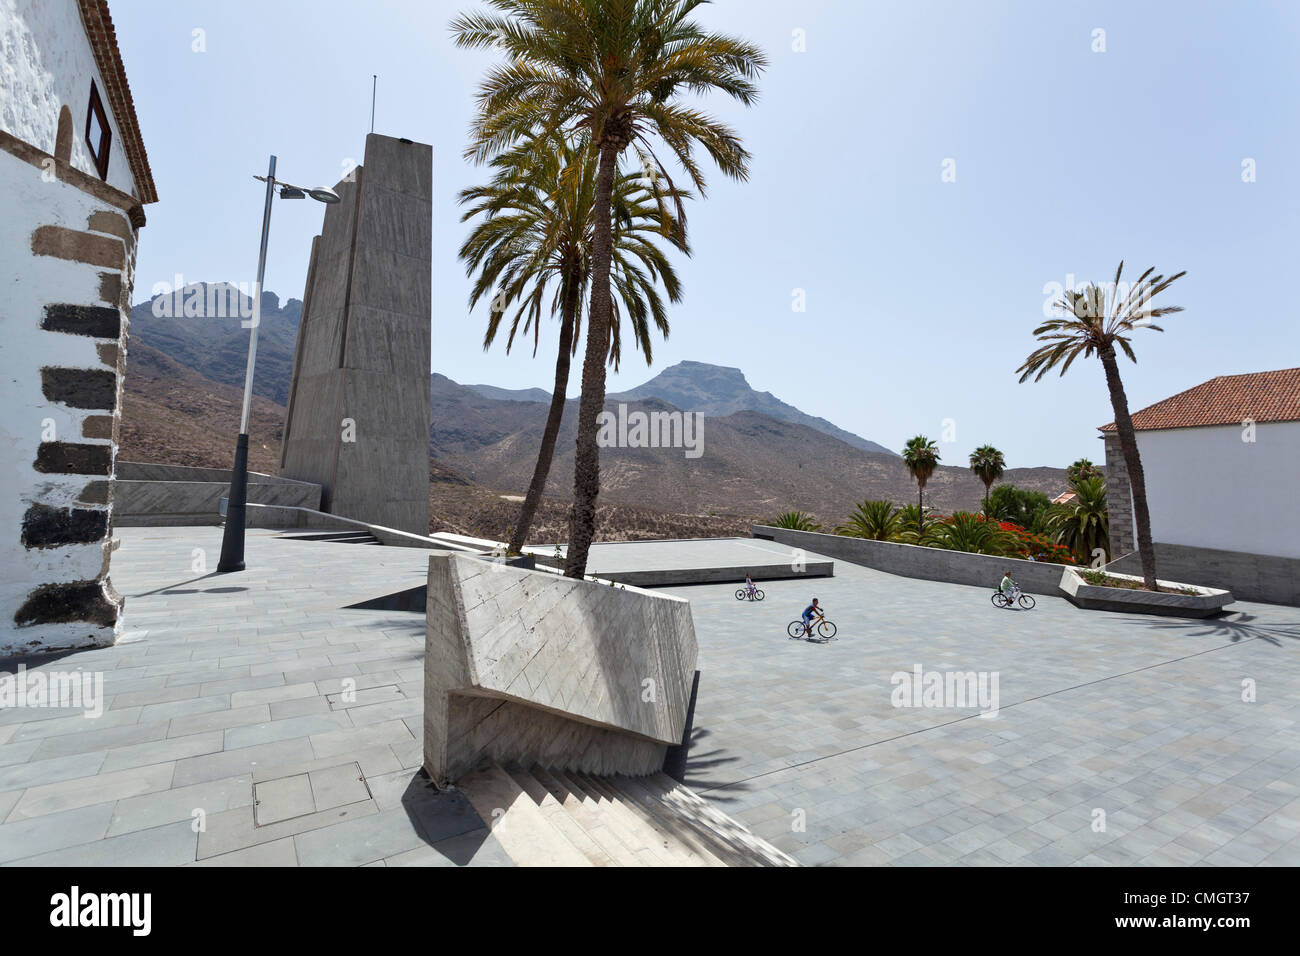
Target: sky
922,173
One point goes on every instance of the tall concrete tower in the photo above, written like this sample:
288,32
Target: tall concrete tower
358,417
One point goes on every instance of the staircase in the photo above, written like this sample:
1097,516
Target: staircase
338,537
554,818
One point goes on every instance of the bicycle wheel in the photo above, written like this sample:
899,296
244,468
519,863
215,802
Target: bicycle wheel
999,599
758,595
795,629
826,630
740,594
1027,602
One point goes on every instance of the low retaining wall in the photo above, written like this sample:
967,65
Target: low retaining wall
150,495
529,666
1250,577
930,564
672,577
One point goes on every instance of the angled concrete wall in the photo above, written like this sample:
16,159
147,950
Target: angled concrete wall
358,414
529,666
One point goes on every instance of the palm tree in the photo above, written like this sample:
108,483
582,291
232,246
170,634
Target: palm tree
537,227
1082,523
1096,320
795,521
974,533
988,465
914,525
876,520
921,457
1081,469
613,69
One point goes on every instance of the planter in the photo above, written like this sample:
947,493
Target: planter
1204,603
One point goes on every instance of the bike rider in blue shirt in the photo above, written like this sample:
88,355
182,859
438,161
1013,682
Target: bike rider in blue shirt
808,612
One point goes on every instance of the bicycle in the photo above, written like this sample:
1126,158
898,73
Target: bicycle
825,629
1026,601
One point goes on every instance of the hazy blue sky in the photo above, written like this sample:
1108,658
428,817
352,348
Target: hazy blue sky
921,294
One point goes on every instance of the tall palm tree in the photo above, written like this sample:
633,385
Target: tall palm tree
615,70
1096,320
1082,523
921,456
537,227
988,465
1081,469
876,520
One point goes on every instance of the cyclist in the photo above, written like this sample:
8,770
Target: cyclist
749,586
808,612
1008,587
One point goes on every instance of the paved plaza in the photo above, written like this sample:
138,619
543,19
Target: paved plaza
227,736
1141,718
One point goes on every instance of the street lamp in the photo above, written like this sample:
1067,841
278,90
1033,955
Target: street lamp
232,540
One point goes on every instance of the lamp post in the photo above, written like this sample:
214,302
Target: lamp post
232,539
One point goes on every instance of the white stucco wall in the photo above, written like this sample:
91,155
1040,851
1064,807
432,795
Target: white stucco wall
27,283
1207,488
46,62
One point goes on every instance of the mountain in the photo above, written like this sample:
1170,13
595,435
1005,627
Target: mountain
752,465
716,390
512,394
211,339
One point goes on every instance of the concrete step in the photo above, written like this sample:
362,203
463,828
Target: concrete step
728,851
645,803
668,849
733,832
586,811
560,819
518,824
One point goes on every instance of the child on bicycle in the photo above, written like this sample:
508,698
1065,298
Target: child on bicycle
749,585
1008,587
808,612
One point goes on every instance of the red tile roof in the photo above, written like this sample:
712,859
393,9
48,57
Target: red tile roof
103,41
1226,400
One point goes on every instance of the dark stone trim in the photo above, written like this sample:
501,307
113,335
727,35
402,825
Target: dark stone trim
97,321
74,602
46,527
62,243
69,458
80,387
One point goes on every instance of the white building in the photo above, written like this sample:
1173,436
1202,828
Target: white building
1222,463
74,178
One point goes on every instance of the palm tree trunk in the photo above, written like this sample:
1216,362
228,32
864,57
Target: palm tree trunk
586,459
1133,462
546,453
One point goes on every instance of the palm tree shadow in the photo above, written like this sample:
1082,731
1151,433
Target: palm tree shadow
701,765
1233,626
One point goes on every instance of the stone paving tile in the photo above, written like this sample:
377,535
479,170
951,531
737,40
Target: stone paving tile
170,806
171,845
162,751
87,791
230,763
55,831
275,853
1139,717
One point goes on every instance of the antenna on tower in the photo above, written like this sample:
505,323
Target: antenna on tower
374,88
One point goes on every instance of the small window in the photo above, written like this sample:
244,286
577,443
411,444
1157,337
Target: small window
98,135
